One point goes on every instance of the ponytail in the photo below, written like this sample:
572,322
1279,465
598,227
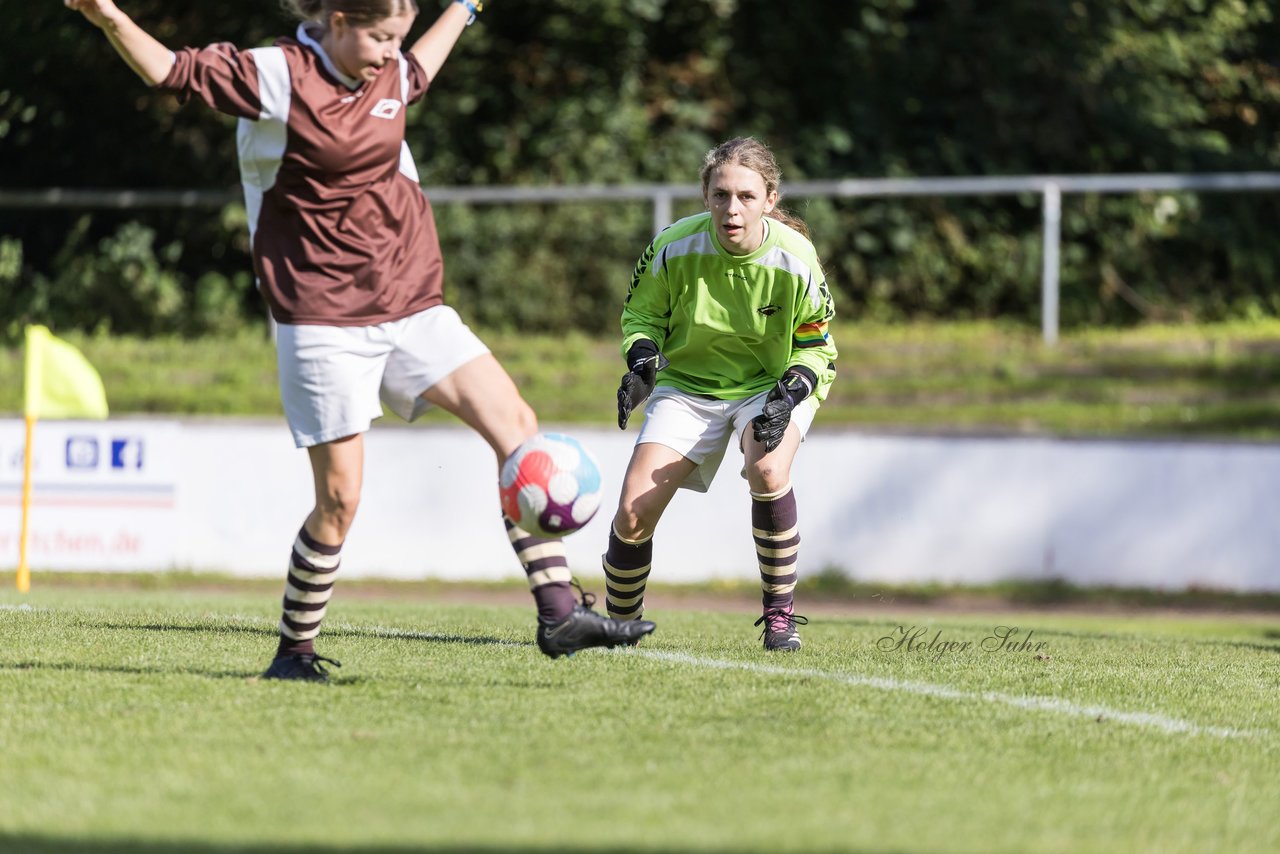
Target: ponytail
306,10
788,218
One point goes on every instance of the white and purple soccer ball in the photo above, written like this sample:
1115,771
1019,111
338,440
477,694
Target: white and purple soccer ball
550,485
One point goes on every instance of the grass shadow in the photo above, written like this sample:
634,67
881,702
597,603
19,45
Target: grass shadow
429,637
72,666
381,633
119,669
193,629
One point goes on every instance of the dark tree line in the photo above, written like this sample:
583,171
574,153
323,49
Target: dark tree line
615,91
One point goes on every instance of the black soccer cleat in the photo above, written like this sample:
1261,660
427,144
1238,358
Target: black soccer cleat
306,668
584,628
779,633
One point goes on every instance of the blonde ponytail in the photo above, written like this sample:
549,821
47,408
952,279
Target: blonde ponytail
786,217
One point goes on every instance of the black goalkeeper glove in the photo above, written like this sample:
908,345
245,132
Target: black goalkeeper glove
643,363
770,426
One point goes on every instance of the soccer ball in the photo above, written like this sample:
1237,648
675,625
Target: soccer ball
550,485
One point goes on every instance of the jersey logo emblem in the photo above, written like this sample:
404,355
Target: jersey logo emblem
769,309
387,108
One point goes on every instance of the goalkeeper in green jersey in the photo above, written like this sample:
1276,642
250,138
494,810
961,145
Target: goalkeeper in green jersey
725,335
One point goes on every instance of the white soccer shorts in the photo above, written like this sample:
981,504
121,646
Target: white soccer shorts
700,428
333,379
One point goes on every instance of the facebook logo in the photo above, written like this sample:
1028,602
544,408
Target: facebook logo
82,452
126,453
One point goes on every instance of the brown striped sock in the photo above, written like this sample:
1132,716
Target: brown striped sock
626,571
775,526
547,568
312,569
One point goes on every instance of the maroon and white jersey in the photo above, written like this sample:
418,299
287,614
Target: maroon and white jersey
342,233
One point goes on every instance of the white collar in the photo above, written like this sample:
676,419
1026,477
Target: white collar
310,41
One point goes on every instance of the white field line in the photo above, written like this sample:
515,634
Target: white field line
1146,720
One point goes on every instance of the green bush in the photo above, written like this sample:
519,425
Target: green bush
617,91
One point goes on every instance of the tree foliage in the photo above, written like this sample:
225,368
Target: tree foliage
615,91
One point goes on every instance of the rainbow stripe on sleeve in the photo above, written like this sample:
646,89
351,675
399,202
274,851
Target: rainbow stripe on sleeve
811,335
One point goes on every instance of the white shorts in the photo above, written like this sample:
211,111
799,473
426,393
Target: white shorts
333,379
700,427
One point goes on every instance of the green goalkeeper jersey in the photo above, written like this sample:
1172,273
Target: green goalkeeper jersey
731,324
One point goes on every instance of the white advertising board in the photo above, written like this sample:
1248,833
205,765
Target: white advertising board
227,496
103,494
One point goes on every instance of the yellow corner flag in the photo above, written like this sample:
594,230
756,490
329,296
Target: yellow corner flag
59,383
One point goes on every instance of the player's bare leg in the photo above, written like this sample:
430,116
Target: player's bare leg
337,470
651,481
482,394
775,528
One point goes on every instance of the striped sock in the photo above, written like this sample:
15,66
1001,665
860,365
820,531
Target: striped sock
547,568
312,569
775,526
626,569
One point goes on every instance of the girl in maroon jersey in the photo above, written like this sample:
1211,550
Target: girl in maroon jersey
346,254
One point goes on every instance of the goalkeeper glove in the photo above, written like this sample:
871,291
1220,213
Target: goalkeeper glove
770,426
643,363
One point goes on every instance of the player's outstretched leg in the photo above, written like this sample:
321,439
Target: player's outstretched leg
312,569
775,526
583,628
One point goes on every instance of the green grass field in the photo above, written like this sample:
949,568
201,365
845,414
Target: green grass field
132,720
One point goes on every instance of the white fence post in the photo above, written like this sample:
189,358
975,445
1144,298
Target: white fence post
1049,271
661,210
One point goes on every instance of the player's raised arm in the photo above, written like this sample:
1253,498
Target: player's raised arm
434,46
146,56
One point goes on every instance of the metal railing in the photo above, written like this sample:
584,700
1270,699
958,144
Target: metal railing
663,196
